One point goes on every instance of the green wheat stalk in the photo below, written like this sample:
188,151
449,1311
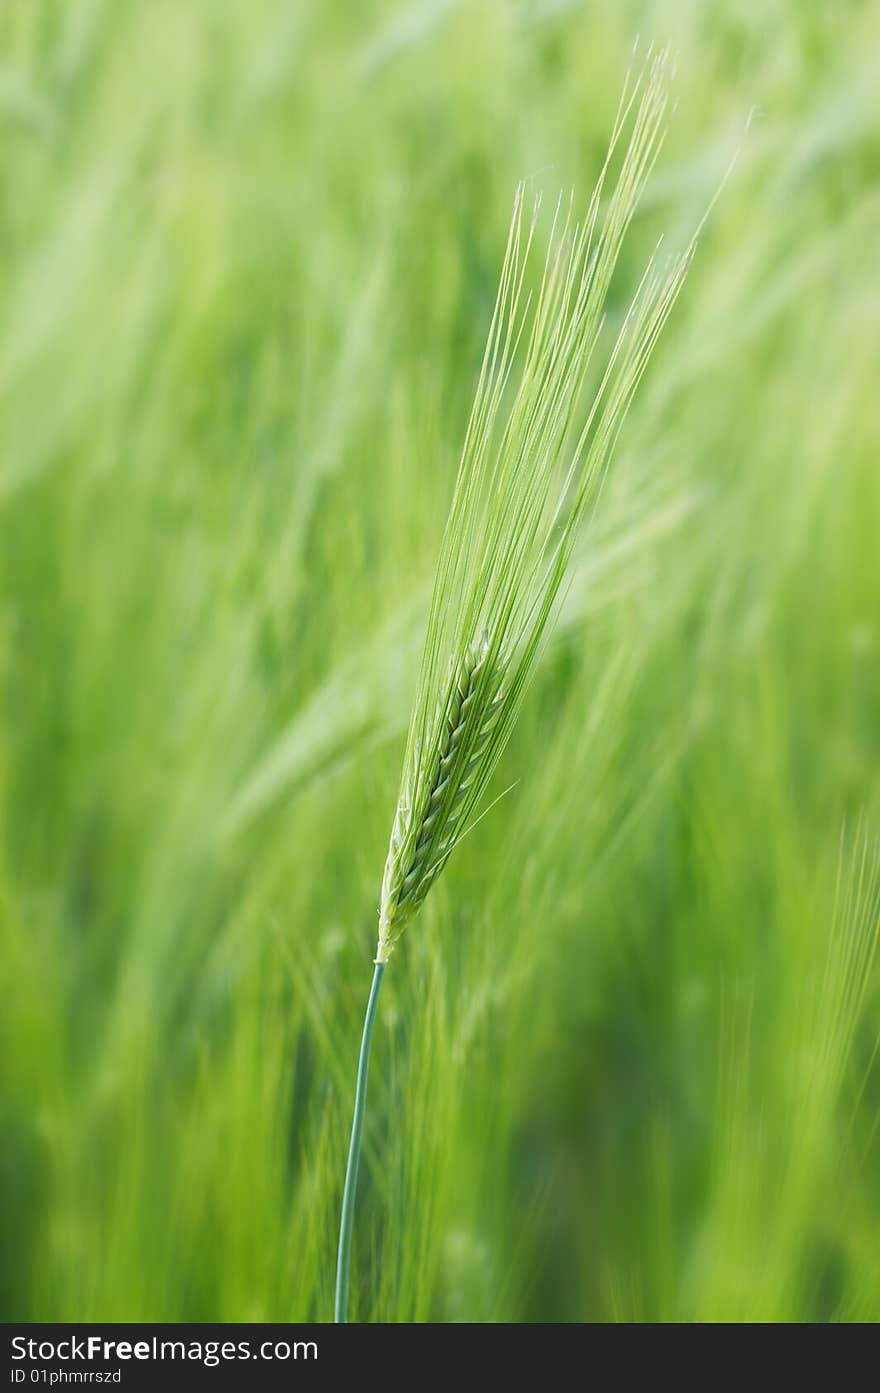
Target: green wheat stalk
533,461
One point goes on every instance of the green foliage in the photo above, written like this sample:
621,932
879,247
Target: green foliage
250,254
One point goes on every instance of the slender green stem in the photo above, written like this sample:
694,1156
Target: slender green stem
343,1260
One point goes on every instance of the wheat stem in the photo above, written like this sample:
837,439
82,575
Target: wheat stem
343,1259
536,451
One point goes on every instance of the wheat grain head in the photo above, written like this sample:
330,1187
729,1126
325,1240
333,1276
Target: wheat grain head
533,460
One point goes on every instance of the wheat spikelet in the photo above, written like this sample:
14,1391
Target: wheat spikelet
427,821
535,452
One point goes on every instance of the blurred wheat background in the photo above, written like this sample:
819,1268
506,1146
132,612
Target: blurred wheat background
626,1063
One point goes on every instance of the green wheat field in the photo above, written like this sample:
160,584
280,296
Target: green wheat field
626,1062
